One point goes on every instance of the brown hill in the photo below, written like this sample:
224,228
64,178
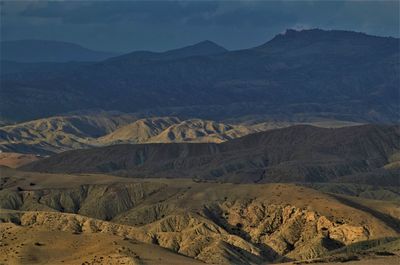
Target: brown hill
173,130
55,244
139,131
297,153
59,133
202,131
15,160
210,222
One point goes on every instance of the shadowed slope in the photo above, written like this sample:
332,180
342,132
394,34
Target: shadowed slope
297,153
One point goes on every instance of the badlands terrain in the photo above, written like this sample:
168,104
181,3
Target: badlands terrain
119,189
103,219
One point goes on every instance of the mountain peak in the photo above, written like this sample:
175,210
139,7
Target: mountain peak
316,32
293,38
202,48
208,43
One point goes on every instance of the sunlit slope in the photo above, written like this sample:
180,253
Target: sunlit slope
210,222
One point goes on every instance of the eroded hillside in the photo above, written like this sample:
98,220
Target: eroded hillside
61,133
210,222
56,134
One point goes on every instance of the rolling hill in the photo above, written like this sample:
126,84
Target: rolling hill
294,154
55,134
336,74
84,130
60,133
173,130
139,131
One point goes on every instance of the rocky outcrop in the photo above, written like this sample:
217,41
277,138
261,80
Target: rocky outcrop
278,233
55,221
214,223
288,231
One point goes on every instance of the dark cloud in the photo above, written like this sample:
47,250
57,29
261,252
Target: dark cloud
106,12
160,25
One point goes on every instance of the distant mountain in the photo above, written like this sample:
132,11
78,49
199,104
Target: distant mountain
203,48
49,51
332,74
206,47
30,71
293,154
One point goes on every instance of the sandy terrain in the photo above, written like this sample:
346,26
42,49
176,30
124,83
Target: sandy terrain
15,160
26,245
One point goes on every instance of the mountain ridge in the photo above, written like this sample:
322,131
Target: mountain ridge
318,76
202,48
317,35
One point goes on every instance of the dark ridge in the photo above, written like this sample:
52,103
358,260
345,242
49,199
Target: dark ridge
294,154
311,36
203,48
312,73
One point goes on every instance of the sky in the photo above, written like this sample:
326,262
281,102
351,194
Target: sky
125,26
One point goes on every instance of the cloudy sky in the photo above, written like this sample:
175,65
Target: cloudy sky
161,25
